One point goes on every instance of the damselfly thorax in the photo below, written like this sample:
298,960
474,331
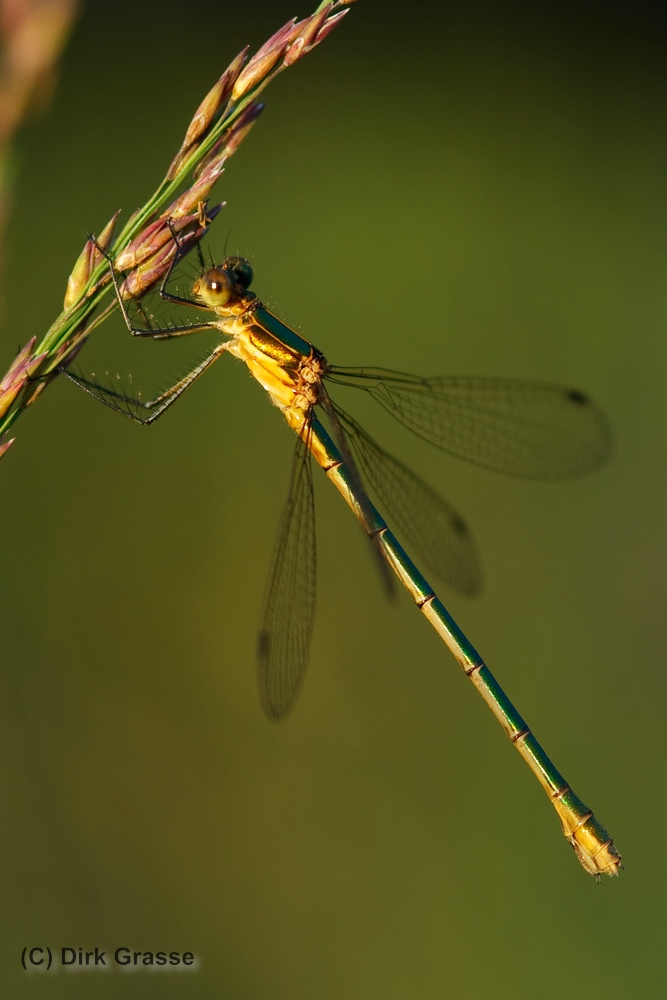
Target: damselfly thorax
286,365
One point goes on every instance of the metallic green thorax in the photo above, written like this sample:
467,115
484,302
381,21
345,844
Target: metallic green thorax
282,333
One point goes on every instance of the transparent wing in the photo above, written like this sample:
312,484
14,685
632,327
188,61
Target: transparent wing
534,430
289,608
439,535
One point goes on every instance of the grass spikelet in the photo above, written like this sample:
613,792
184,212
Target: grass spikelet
145,247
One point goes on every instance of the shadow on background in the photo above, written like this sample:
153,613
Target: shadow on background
469,189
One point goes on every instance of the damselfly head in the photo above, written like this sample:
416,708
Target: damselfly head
214,287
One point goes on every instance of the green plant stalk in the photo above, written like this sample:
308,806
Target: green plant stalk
69,329
70,319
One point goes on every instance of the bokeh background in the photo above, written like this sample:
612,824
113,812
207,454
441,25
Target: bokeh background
460,188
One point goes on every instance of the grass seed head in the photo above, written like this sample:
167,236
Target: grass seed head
307,36
239,130
207,111
18,363
80,275
146,245
264,59
147,274
230,140
88,260
15,380
199,191
153,269
143,245
155,236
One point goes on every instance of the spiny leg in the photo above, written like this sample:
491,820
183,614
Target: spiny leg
158,333
178,257
114,399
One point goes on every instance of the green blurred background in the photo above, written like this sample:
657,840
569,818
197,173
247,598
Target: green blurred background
467,188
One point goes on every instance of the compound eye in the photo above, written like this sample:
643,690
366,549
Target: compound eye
244,272
241,269
215,287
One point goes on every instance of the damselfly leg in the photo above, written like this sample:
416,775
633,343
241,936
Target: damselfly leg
131,406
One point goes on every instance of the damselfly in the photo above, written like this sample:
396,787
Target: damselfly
530,429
